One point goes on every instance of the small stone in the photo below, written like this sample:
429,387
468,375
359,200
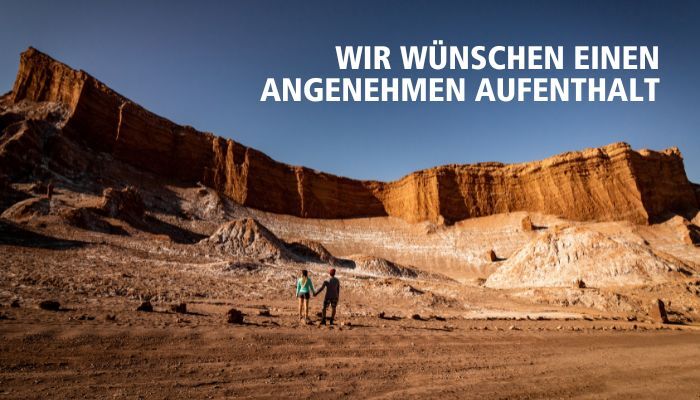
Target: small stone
234,316
50,305
491,256
146,306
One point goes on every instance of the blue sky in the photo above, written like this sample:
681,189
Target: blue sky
205,63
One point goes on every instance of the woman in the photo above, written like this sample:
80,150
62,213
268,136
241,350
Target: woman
304,290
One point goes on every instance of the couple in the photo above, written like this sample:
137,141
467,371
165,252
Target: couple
305,288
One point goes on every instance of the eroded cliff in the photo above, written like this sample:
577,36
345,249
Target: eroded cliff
609,183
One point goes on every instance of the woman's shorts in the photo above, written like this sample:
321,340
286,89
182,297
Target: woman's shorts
303,295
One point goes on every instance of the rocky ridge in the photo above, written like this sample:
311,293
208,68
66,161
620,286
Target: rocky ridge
609,183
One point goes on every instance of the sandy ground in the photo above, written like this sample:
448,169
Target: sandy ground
47,354
469,342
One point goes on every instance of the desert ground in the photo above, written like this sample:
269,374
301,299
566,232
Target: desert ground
402,331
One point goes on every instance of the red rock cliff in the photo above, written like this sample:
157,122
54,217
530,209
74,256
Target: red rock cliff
609,183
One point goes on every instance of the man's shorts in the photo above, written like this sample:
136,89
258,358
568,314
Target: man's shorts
332,302
304,295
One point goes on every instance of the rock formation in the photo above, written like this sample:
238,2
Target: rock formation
247,238
380,267
609,183
124,204
310,250
556,259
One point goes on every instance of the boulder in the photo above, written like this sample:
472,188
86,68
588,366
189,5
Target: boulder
526,224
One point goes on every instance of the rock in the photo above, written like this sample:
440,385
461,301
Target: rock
657,312
234,316
514,328
491,256
15,303
312,251
416,317
125,204
556,259
526,224
146,306
264,313
605,183
247,238
50,305
180,308
579,283
27,209
110,317
378,266
382,315
86,218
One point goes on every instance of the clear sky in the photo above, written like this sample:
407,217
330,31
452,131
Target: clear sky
204,64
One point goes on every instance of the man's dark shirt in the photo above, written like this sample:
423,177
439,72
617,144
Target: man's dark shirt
332,286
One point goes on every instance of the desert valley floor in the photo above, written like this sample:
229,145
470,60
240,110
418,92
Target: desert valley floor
434,330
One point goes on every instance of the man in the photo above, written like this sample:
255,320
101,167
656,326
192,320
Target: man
332,286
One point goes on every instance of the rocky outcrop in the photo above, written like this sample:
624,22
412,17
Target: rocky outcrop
312,251
558,258
125,204
377,266
609,183
247,238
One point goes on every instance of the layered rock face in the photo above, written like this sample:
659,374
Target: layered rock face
610,183
581,257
